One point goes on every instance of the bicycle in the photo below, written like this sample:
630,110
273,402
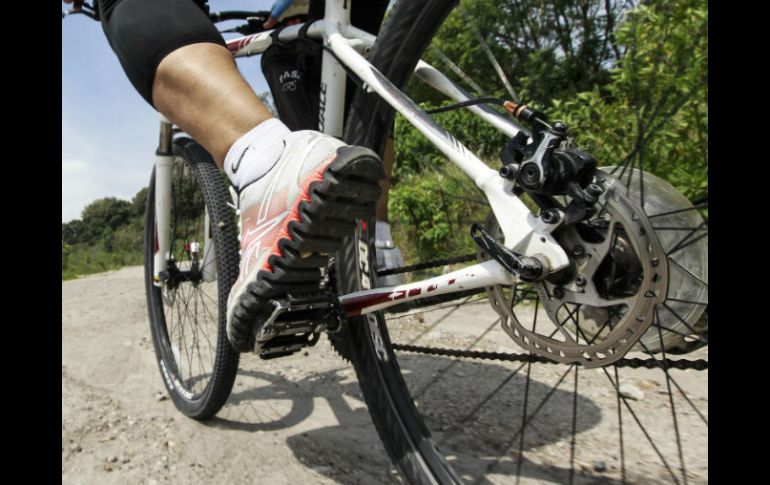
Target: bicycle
597,251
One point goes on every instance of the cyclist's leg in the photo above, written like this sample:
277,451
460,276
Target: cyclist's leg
199,88
177,61
298,194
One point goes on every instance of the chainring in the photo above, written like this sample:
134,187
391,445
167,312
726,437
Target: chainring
620,271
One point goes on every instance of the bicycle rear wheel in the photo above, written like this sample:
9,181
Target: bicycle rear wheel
518,416
187,307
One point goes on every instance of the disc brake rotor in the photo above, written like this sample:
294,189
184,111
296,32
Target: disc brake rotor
600,309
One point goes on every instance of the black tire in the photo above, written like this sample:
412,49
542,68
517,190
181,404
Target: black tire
405,35
199,307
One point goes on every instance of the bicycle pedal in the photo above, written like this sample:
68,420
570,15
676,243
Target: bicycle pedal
295,322
281,346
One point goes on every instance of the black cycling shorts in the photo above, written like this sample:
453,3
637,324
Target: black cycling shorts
143,32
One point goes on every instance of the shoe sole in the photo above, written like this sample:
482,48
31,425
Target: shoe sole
348,191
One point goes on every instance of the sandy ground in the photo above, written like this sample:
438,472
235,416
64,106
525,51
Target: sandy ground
301,419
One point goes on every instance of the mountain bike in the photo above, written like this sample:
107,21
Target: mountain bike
584,268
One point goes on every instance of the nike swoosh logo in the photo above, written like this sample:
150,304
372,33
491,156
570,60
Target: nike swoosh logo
237,164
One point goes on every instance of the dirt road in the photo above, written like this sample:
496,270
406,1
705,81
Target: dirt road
301,419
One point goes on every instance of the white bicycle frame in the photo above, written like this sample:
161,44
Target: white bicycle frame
523,232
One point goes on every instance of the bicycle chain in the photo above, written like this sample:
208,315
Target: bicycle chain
633,363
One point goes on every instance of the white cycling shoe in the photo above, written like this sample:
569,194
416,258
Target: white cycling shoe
292,219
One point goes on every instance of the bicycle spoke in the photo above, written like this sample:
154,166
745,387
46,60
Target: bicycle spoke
203,332
688,209
492,60
671,398
671,260
676,228
201,361
692,405
574,430
190,352
560,325
681,244
689,243
620,429
169,301
186,350
444,317
205,254
662,366
492,466
676,332
468,417
623,167
703,303
216,323
442,371
180,335
211,299
195,345
520,458
679,318
599,332
428,309
456,69
183,339
641,427
208,315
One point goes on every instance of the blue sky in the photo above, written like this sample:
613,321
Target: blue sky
109,133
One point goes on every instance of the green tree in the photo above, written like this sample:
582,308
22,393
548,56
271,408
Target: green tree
66,251
435,210
654,112
73,232
103,216
547,49
139,203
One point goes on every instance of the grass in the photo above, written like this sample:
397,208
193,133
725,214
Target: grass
81,260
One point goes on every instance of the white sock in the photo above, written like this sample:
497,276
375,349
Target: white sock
256,152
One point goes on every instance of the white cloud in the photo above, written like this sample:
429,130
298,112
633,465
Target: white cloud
104,161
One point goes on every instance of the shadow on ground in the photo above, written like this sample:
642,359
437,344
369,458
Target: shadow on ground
473,409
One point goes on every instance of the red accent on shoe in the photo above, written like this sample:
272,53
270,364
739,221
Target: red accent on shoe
315,176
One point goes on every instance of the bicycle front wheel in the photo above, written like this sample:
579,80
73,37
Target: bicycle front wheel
187,306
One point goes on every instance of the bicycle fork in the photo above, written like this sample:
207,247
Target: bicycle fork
164,162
